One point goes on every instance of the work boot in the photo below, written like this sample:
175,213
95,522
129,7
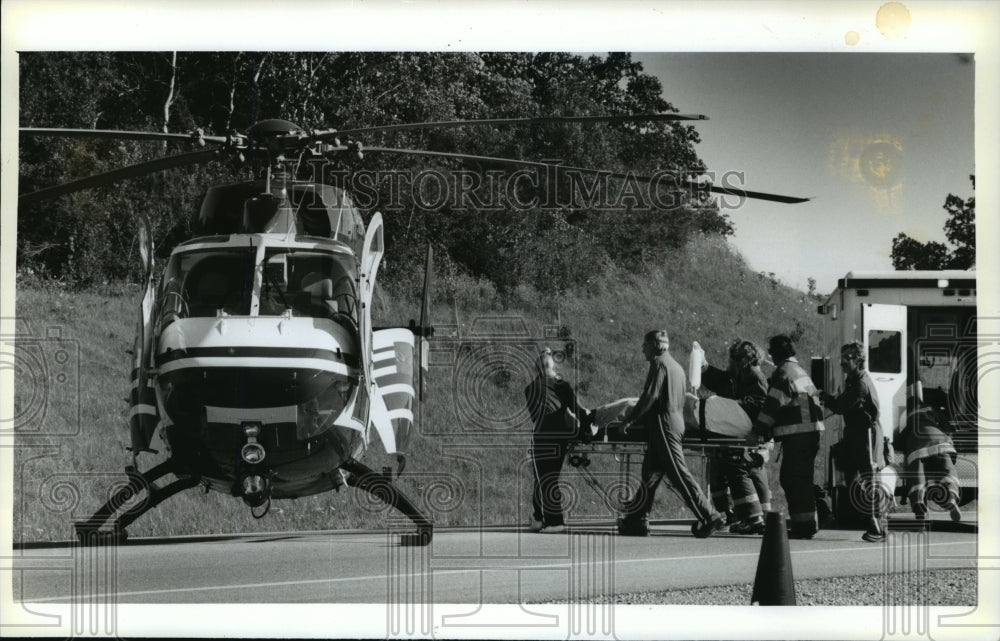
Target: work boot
633,527
731,518
750,526
875,532
553,529
824,507
704,530
535,525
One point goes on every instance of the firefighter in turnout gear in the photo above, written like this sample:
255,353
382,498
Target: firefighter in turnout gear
792,416
860,453
730,470
554,411
929,460
660,409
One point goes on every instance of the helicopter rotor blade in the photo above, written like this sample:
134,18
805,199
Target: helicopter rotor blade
742,193
547,120
132,171
195,137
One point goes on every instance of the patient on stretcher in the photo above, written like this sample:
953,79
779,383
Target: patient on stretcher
711,419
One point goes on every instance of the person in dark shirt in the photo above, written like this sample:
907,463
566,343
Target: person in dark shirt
792,417
744,382
860,451
660,409
555,415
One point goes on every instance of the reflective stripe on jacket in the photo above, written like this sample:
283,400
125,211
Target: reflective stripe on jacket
791,405
922,436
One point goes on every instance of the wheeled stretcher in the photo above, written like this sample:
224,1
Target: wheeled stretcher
711,424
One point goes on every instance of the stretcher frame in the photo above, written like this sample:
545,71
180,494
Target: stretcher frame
623,451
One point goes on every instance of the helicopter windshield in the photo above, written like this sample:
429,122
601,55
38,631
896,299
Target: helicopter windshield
309,283
202,282
306,283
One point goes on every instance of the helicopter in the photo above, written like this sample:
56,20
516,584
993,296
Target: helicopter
255,356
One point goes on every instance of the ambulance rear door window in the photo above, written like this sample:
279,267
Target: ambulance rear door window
885,351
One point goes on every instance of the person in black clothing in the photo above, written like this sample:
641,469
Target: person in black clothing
555,414
860,454
742,381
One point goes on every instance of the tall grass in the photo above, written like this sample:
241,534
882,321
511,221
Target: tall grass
467,460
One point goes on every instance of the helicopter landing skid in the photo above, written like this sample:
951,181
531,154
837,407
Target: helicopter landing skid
380,485
89,532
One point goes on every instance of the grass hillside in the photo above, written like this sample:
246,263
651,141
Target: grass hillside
468,458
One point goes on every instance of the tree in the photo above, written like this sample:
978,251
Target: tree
960,229
89,236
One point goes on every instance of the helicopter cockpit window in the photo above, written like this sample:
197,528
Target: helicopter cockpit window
310,284
200,283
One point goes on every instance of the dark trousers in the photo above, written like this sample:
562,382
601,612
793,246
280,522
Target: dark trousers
737,485
717,484
665,458
859,474
798,460
932,477
547,456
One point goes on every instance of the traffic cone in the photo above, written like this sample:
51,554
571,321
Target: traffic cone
774,584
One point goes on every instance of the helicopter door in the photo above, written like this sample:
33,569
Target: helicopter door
371,257
143,415
885,345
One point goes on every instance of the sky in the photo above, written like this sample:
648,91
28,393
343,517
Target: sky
808,124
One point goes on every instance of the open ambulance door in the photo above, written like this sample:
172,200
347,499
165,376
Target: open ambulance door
885,340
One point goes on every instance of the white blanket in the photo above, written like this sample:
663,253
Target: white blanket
723,416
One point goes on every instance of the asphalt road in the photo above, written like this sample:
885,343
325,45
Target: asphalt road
496,565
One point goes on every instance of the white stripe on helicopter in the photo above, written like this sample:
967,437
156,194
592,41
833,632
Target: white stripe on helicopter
397,388
384,371
262,362
401,413
256,239
388,337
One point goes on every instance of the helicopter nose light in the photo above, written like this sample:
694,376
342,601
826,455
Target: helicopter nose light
251,428
253,453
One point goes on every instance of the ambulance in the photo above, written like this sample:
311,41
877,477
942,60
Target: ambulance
915,326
